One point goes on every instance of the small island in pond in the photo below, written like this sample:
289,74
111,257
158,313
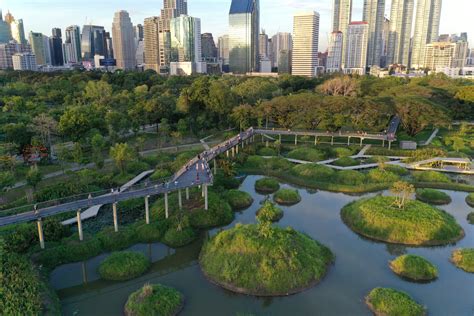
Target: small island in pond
416,224
287,197
390,302
154,300
124,265
269,212
414,268
267,186
264,260
432,196
464,259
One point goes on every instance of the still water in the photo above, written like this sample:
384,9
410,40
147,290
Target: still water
360,266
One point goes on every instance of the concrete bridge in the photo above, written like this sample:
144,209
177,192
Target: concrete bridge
197,172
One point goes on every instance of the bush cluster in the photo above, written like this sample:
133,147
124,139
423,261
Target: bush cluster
267,185
122,266
287,197
390,302
269,212
154,300
238,200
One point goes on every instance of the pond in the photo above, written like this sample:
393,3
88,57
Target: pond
360,266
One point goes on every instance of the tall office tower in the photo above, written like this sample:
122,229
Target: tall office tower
282,46
464,36
428,15
440,55
5,33
374,11
305,44
124,45
385,34
140,54
18,31
244,27
72,45
223,48
357,46
24,62
109,46
152,46
93,42
56,44
172,9
401,19
209,48
263,51
342,16
40,45
7,50
185,39
334,61
138,32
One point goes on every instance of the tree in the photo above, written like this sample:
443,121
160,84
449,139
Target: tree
33,177
98,145
243,116
164,129
44,126
402,191
340,86
277,145
122,154
7,179
77,154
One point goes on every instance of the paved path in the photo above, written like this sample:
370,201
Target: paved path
429,140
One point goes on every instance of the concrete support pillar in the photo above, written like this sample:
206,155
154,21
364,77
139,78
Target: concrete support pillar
206,202
389,145
79,225
332,140
315,140
233,152
227,153
279,135
361,142
166,206
147,210
84,272
266,144
114,209
296,140
187,193
180,200
348,141
237,149
40,233
215,166
243,143
383,143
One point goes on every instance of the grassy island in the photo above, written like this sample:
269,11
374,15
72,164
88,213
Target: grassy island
269,212
287,197
390,302
470,200
179,237
238,200
433,196
154,300
470,218
267,185
464,259
306,154
244,260
414,268
124,265
416,224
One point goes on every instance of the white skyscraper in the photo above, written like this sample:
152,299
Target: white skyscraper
440,55
356,54
24,61
374,15
428,15
282,46
305,44
72,45
401,19
123,41
341,19
334,61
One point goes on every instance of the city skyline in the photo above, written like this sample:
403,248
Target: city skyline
274,18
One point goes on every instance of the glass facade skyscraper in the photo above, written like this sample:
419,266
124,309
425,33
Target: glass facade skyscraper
185,39
244,26
72,45
93,42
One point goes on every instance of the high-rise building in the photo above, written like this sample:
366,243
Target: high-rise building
9,18
24,62
93,42
334,60
428,15
263,51
440,55
7,50
385,34
18,31
373,14
282,46
72,45
186,39
223,48
56,43
305,44
123,41
401,19
40,45
357,45
151,42
209,48
5,32
109,46
342,16
139,32
244,27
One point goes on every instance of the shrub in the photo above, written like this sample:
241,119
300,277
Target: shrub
315,172
470,199
175,238
154,300
113,241
417,224
381,176
390,302
470,218
266,151
152,232
161,174
122,266
267,185
238,199
398,170
269,212
287,197
136,167
431,176
464,259
283,261
255,162
433,196
350,177
306,154
277,164
340,152
346,162
226,183
415,268
220,213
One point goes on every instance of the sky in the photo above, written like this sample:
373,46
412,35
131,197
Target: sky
275,15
